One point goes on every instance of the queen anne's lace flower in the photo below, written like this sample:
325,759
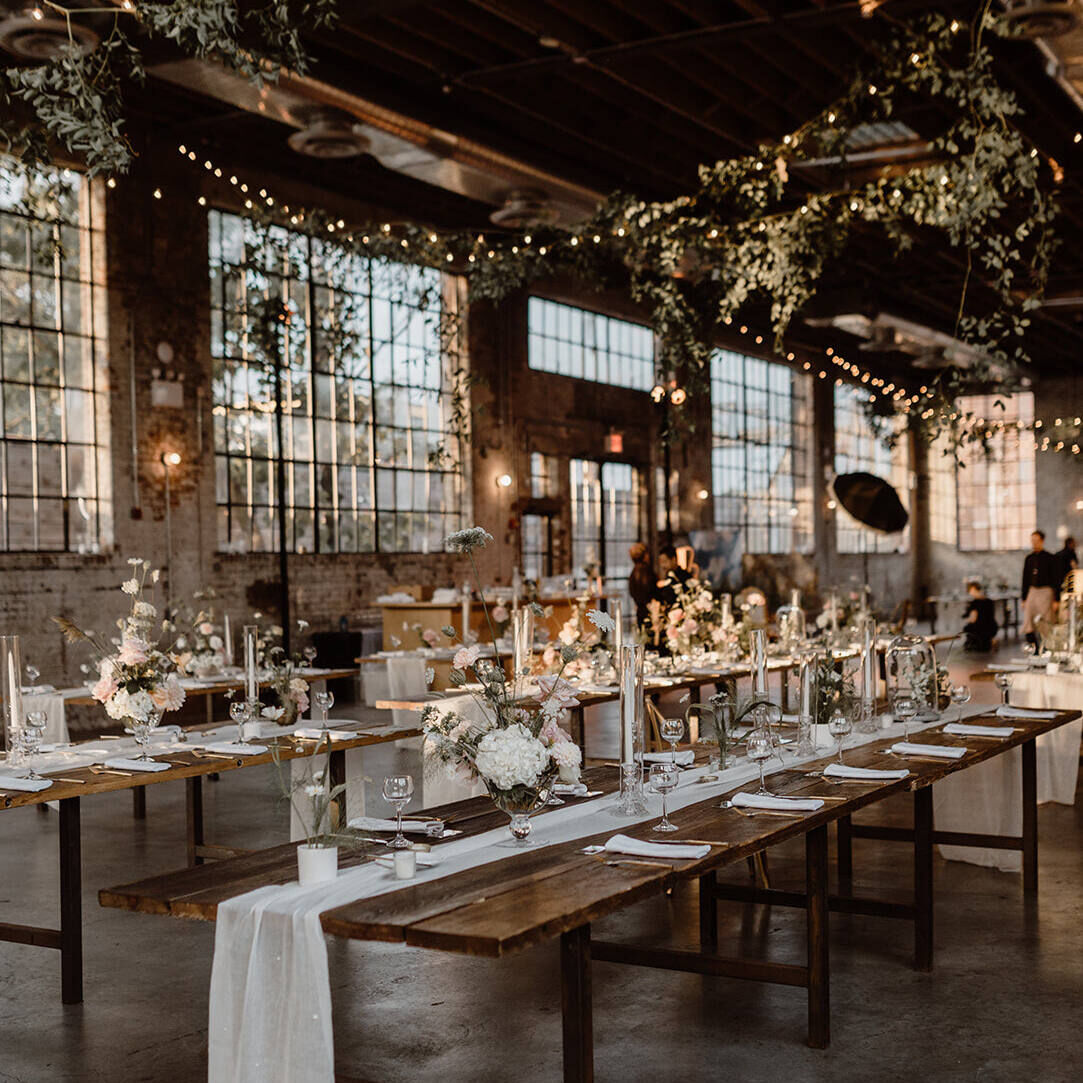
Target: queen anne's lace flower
130,586
602,621
466,541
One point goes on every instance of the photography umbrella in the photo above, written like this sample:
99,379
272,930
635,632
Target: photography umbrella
871,501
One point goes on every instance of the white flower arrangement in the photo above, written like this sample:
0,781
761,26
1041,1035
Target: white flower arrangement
138,680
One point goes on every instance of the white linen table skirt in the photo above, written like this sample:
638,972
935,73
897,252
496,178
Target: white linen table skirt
988,797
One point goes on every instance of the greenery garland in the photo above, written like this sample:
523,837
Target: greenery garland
748,232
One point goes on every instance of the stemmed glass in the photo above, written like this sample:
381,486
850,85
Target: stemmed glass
1003,681
760,747
840,725
662,779
32,675
142,729
906,710
32,734
960,696
672,730
239,711
325,700
309,654
398,789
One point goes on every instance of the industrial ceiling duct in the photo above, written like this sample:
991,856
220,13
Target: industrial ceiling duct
1038,18
327,133
36,35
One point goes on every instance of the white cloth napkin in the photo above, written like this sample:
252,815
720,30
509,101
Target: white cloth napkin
121,764
944,752
27,785
371,823
1004,711
571,789
233,748
315,734
756,800
623,844
962,729
684,758
844,770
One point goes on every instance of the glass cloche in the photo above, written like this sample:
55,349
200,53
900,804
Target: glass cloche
912,669
791,624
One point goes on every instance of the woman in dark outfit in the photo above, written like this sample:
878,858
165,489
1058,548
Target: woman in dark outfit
980,623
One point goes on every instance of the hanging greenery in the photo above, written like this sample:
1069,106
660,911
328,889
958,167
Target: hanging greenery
759,228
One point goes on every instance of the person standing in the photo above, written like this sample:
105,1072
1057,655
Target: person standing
980,623
1067,558
1041,585
672,575
641,580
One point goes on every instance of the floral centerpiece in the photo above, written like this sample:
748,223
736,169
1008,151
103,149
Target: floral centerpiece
199,638
138,680
514,743
694,621
316,804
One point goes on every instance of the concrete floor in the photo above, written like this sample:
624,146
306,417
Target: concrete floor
1003,1003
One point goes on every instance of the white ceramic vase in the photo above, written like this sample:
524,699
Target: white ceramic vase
316,864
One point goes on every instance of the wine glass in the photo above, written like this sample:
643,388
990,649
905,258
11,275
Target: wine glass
760,747
32,735
238,711
325,700
309,654
960,695
662,779
142,729
672,730
906,710
398,789
1003,681
840,726
32,675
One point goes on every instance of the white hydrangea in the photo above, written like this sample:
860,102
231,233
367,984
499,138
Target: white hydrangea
567,756
511,757
136,705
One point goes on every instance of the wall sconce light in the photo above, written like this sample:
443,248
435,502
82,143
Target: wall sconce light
677,396
702,494
503,481
832,505
171,458
794,511
1079,505
658,392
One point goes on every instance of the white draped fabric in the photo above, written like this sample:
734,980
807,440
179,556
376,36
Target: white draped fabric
988,798
270,1001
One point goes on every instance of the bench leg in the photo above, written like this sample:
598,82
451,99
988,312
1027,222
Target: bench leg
71,903
819,1003
193,794
923,878
576,1005
139,802
1030,818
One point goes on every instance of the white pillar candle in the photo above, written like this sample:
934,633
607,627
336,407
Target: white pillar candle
806,686
618,628
227,639
868,659
1072,603
465,613
251,675
759,660
727,611
11,691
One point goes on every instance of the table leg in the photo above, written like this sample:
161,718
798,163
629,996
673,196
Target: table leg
576,1005
708,912
845,829
923,878
139,802
194,809
338,778
819,1013
71,903
932,618
579,729
1030,818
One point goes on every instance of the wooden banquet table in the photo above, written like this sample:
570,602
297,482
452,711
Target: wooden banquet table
556,891
75,784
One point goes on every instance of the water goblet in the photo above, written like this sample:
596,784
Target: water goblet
32,675
1003,681
760,747
672,730
238,712
142,729
662,779
325,700
906,710
309,654
839,726
32,734
960,696
397,790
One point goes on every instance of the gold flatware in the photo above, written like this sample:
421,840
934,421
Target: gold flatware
752,813
110,771
646,864
695,842
74,781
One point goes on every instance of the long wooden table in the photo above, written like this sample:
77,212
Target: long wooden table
557,891
186,765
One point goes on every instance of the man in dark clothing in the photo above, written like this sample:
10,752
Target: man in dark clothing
672,575
1067,559
980,623
1041,585
642,580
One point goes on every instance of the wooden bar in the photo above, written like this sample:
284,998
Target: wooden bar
576,1005
29,934
695,962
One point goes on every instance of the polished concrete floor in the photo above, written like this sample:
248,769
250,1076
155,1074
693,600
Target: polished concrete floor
1003,1003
